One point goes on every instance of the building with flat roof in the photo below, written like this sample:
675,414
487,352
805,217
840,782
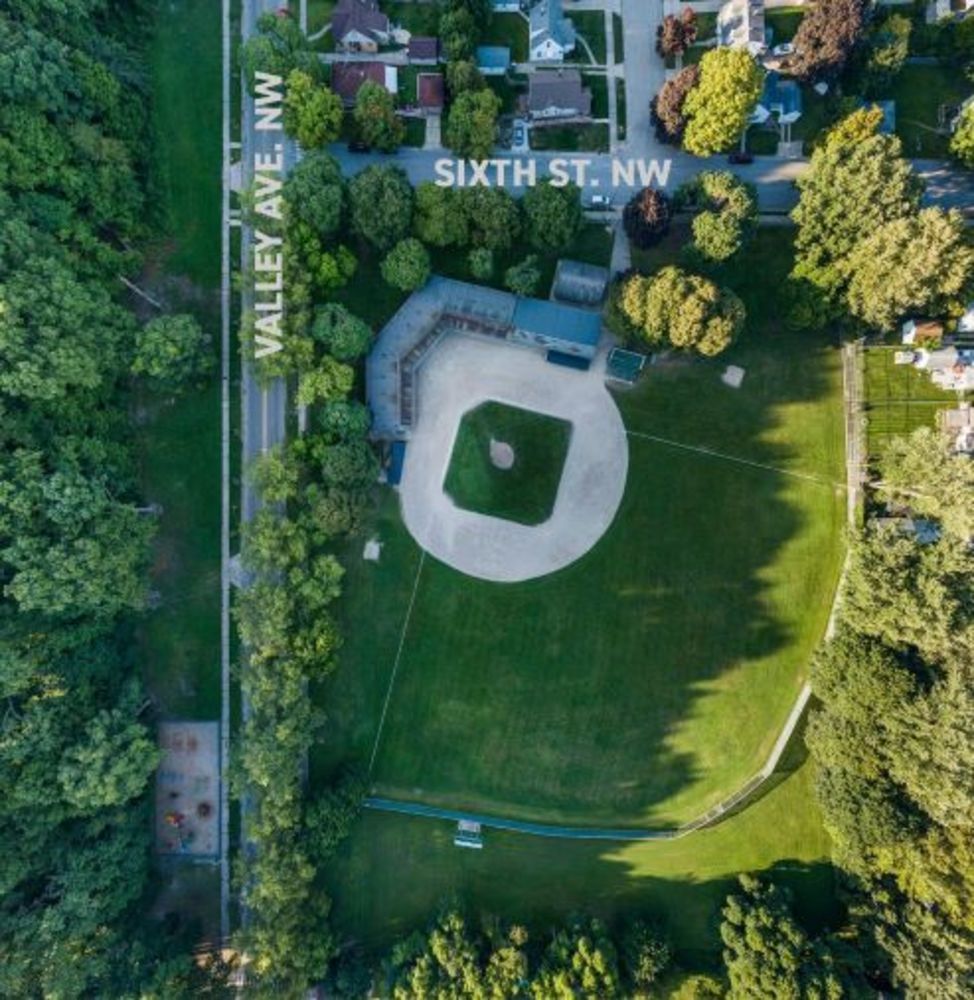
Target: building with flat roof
493,60
445,307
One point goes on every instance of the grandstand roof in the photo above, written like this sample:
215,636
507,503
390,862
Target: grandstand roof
573,326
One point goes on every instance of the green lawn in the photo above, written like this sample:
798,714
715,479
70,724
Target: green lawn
417,18
618,38
898,398
394,873
783,22
621,107
599,86
590,24
919,92
415,131
186,72
508,89
406,78
650,678
571,138
319,14
510,30
526,491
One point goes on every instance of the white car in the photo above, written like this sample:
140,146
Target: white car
784,49
601,201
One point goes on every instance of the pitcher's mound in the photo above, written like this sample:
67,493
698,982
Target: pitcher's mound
501,454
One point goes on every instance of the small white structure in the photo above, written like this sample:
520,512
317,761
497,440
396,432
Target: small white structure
469,835
551,35
372,551
733,376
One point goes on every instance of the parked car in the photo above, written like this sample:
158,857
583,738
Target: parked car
740,157
784,49
601,201
519,138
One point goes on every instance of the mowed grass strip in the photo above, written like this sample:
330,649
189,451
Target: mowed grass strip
525,492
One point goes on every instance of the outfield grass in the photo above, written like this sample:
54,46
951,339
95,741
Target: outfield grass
526,492
394,872
899,398
649,679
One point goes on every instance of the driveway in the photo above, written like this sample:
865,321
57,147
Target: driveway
458,376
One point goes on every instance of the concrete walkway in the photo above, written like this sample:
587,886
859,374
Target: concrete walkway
459,375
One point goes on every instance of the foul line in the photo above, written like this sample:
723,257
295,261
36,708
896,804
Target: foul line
395,665
710,453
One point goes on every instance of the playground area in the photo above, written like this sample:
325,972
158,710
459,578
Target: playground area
188,790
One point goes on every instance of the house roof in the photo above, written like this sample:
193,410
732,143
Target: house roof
363,16
576,326
558,89
423,47
429,90
493,56
548,22
347,77
576,281
740,24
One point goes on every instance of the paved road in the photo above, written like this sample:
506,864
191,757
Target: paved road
774,178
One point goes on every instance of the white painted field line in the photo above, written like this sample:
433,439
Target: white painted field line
395,665
710,453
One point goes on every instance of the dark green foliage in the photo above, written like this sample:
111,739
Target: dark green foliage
522,278
646,955
381,201
553,215
278,47
768,954
340,333
173,353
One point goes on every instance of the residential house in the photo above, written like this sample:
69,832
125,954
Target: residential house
558,94
551,35
429,93
347,78
493,60
423,50
959,425
950,368
359,26
781,99
740,25
506,6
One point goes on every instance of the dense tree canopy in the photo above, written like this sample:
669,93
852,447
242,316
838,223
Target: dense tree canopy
381,201
440,219
471,125
553,215
718,107
667,107
376,120
921,264
312,111
173,352
727,212
682,310
826,38
646,217
407,265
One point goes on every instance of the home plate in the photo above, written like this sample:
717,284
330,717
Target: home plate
733,376
373,549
